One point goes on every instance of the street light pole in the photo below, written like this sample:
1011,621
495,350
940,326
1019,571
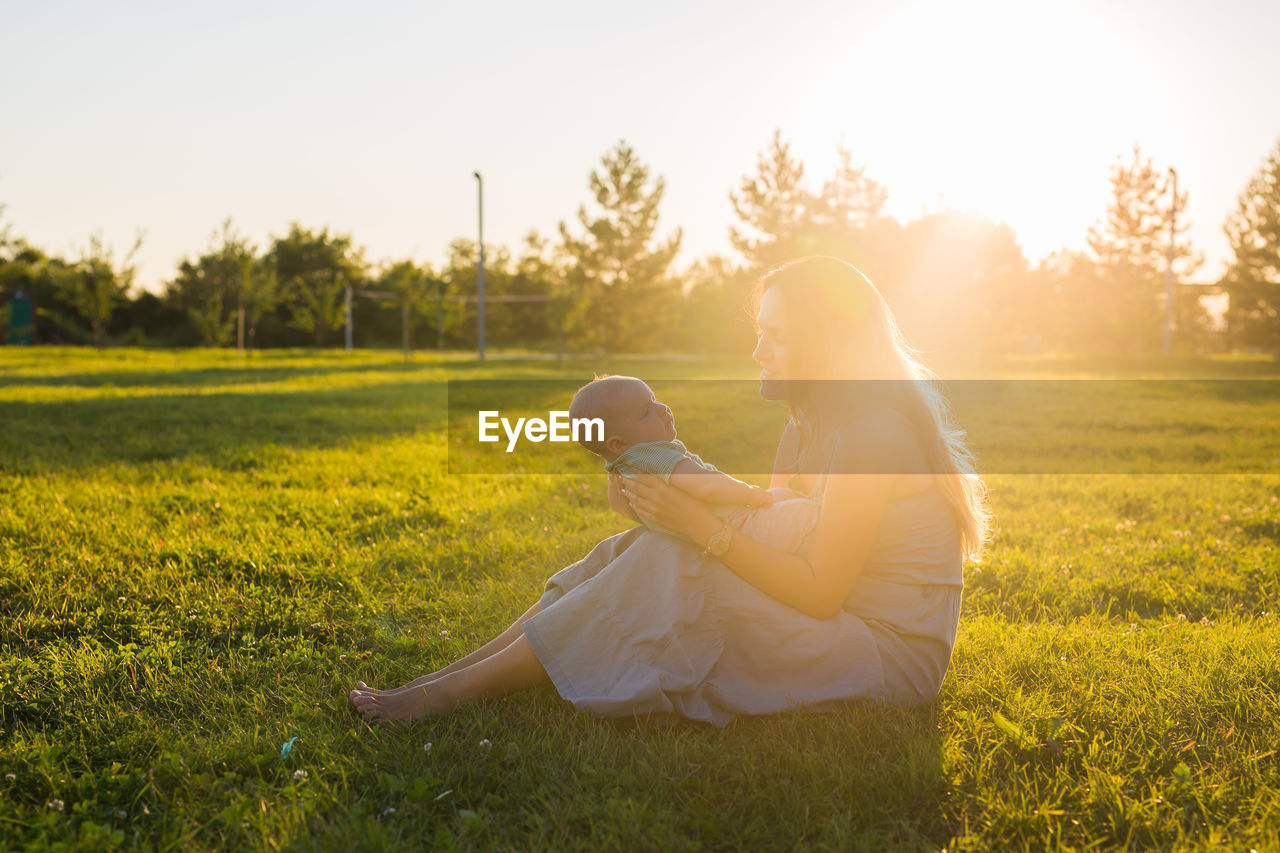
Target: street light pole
480,270
347,315
1168,286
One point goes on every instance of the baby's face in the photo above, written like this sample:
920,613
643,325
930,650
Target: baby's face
636,415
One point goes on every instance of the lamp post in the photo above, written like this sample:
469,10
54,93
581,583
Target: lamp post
1168,285
347,313
480,270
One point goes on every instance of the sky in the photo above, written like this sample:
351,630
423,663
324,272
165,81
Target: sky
171,117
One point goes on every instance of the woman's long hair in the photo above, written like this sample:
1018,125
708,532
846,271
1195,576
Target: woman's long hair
840,328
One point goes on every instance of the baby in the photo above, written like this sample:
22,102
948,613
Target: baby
640,433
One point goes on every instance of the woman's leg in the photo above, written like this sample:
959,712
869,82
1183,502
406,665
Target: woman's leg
513,668
490,648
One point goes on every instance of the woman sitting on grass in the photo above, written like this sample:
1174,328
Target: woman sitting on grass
717,624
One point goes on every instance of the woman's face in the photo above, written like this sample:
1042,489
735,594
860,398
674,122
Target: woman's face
772,347
774,351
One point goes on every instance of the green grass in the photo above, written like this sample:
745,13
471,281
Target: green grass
199,555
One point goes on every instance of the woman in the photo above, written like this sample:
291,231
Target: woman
648,623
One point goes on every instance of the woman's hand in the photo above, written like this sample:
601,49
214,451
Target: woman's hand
675,509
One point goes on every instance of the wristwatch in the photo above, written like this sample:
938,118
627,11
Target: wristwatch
719,541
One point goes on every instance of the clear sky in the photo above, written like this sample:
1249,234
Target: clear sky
173,116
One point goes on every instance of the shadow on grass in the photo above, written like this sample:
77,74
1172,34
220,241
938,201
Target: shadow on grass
869,776
873,769
1265,529
230,431
249,372
201,377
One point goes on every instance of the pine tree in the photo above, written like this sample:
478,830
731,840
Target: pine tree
618,275
849,222
850,200
775,208
1252,280
1130,249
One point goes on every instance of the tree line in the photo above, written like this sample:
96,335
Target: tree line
959,283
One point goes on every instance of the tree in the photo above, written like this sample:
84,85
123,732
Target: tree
212,288
1130,247
1252,280
716,316
850,201
539,270
849,222
455,316
7,240
775,209
622,295
258,291
958,295
13,271
315,269
412,284
212,321
1074,315
94,284
25,268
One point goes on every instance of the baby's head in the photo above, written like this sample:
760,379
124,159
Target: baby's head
630,412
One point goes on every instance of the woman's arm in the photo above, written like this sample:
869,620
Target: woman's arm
818,583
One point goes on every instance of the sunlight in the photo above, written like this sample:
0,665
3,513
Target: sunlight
1007,110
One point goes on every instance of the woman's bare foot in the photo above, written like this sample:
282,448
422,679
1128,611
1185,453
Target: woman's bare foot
515,667
404,704
420,681
417,682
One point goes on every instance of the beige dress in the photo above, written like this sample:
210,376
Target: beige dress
645,624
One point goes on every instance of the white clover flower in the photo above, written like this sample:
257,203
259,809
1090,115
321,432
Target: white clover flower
444,632
486,744
389,810
56,805
10,777
299,774
426,747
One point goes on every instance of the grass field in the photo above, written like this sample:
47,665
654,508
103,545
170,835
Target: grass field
200,555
